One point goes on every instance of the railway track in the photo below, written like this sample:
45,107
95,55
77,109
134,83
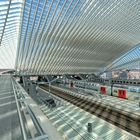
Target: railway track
119,119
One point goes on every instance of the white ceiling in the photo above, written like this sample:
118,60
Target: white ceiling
10,14
76,36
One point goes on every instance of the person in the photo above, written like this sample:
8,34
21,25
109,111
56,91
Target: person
37,87
28,90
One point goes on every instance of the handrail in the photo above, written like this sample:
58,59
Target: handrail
35,120
19,114
32,114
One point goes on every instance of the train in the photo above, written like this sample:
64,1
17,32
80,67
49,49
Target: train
123,91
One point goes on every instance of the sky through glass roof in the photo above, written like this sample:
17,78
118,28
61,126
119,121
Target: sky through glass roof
10,14
69,36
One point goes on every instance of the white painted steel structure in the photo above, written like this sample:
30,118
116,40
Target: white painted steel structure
10,15
69,36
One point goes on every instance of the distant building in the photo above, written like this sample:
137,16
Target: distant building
123,75
134,75
115,74
109,74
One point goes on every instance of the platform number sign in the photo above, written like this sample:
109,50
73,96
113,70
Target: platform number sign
103,90
122,93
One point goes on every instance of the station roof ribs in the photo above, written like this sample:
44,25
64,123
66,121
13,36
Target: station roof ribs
70,36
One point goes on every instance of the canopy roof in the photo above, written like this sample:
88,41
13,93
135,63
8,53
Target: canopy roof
10,13
69,36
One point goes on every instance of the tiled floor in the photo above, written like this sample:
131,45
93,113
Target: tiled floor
9,122
116,103
72,122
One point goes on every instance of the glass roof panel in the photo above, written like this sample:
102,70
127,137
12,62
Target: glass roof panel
61,36
69,36
10,15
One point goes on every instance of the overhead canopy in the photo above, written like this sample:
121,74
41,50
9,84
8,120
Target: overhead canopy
129,61
76,36
10,12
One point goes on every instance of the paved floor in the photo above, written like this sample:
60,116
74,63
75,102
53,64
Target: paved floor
72,121
9,122
114,102
52,132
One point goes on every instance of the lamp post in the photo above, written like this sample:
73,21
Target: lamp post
50,85
49,89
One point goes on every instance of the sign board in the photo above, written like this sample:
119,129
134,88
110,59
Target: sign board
103,90
122,93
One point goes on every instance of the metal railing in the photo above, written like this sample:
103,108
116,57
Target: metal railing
20,97
23,130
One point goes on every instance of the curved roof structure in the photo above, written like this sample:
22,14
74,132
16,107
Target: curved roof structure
70,36
10,15
130,60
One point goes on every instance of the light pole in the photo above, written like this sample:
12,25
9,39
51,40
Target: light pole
49,89
50,85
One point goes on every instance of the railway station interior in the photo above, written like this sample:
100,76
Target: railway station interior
69,69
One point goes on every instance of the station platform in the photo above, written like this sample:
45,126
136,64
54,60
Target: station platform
71,122
9,121
48,127
32,124
129,107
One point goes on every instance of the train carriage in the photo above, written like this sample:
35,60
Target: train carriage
126,92
118,90
104,90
